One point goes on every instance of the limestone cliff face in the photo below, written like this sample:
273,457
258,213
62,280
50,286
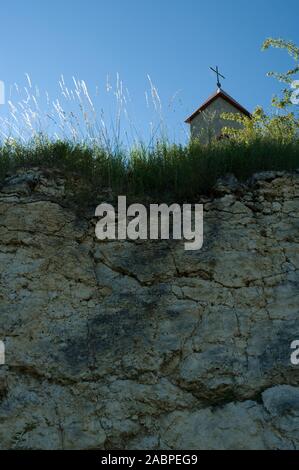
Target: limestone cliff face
123,345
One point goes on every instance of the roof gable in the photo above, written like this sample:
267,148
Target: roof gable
219,94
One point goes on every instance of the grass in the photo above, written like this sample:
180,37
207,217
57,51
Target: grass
163,173
91,154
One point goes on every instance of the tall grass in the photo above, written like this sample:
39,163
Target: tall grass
70,134
104,117
164,172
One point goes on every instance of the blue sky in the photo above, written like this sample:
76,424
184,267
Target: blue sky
174,41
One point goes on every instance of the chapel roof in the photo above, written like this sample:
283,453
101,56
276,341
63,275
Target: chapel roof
219,94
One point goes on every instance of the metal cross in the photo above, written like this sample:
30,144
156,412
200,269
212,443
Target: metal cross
218,75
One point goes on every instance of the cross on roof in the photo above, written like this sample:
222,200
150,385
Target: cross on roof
218,75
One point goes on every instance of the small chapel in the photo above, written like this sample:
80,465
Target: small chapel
206,122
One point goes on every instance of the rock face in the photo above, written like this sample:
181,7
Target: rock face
142,345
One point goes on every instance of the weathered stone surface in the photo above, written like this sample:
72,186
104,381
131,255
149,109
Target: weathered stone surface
123,345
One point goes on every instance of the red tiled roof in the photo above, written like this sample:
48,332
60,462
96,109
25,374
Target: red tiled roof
218,94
